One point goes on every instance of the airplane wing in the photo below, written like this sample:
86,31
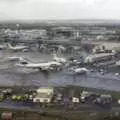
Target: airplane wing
40,66
20,47
16,47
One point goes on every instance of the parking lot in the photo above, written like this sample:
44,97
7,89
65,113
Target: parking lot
65,98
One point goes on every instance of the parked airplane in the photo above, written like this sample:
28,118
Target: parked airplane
48,66
2,47
17,47
118,63
79,70
16,58
58,59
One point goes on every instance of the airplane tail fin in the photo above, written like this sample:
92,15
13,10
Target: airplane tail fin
9,45
55,56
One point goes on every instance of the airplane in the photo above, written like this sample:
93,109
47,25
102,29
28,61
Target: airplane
79,71
58,59
17,47
48,66
2,47
118,63
15,58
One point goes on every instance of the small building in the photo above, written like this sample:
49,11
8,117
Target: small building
75,100
44,95
62,31
99,57
107,47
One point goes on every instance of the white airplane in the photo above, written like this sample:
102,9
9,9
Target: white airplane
118,63
79,70
49,66
15,58
17,47
2,47
58,59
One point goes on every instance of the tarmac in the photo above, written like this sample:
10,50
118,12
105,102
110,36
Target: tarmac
11,75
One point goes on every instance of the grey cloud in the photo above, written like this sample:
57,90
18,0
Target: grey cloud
64,9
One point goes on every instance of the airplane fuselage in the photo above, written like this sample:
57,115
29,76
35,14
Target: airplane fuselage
41,66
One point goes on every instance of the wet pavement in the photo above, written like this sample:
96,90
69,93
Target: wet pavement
53,108
12,75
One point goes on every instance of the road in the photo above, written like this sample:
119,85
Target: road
29,106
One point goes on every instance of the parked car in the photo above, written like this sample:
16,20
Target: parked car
88,96
103,99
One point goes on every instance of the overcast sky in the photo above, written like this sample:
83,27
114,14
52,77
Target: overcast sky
59,9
